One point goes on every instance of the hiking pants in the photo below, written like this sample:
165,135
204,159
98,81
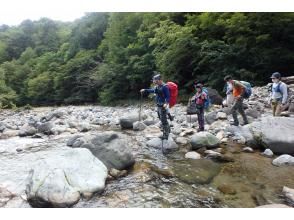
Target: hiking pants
276,107
162,114
200,116
238,106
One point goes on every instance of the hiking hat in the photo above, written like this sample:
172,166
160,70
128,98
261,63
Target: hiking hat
156,77
276,75
199,85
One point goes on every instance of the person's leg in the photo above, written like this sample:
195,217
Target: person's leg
234,112
242,112
164,122
201,119
278,109
274,107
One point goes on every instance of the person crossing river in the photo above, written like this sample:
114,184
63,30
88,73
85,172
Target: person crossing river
162,101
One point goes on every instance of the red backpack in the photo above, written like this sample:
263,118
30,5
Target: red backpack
173,91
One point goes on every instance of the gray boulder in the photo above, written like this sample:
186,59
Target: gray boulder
204,139
214,96
108,147
275,133
46,128
27,130
139,126
60,179
211,117
284,160
128,120
158,143
2,127
289,195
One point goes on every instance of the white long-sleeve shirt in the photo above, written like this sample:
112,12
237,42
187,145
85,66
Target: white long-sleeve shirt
281,93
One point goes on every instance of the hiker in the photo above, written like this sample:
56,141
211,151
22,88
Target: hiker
200,98
229,95
278,95
162,101
239,91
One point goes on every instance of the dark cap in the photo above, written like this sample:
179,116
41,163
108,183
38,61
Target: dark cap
198,85
156,77
276,75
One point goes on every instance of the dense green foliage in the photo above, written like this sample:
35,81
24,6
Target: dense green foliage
106,57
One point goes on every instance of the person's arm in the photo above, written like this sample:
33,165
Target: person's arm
147,91
166,94
203,96
285,93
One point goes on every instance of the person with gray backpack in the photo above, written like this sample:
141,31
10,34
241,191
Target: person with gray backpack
241,90
278,94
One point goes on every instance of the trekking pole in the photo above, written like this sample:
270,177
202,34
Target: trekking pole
140,106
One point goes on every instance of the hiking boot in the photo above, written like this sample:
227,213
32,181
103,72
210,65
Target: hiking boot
171,118
200,129
245,123
234,123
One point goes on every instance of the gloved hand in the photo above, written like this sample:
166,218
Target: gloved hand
166,106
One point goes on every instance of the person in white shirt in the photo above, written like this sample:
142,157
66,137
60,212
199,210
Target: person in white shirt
279,94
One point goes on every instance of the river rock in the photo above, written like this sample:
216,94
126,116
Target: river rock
182,140
200,171
192,155
248,150
289,195
274,206
214,96
240,132
5,196
284,160
164,144
61,179
128,119
27,130
221,115
139,126
268,153
108,147
204,139
2,126
46,128
275,133
211,117
253,113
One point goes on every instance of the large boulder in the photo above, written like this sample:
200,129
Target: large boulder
158,143
275,133
214,96
109,147
46,128
211,117
128,120
289,195
204,139
27,130
245,132
60,179
283,160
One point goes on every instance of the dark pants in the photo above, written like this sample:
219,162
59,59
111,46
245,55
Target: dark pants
200,116
238,106
162,114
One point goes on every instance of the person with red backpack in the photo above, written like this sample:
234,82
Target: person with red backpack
164,100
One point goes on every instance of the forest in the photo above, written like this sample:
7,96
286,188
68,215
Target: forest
108,57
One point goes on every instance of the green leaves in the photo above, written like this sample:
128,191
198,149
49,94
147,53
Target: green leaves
109,57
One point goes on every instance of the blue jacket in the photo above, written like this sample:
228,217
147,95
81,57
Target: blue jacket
162,94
